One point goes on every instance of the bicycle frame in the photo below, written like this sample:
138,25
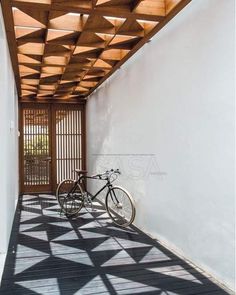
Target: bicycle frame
107,185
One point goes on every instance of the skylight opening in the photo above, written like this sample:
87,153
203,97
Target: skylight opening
114,18
77,14
61,31
27,28
105,34
129,36
147,22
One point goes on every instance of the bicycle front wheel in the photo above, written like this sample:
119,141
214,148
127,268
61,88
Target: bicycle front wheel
69,196
120,206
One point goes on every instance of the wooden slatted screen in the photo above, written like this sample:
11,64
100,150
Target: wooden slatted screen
63,50
36,147
68,142
52,145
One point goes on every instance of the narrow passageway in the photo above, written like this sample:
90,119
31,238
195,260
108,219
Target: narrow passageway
50,254
143,86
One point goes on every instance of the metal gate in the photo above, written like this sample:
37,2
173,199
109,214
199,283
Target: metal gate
52,145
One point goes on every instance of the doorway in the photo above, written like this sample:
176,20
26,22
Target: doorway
52,144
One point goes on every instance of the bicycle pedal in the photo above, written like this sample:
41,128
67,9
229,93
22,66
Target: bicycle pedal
90,204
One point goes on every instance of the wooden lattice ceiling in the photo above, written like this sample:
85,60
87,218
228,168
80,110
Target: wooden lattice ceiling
66,49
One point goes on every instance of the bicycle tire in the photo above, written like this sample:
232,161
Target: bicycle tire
69,197
120,206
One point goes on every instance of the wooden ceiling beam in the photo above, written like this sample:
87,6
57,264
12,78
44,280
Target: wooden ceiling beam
10,32
49,100
107,11
45,39
135,4
94,2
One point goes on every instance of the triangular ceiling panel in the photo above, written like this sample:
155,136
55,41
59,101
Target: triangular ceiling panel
28,87
78,44
100,2
27,32
25,17
132,27
29,59
62,37
67,21
100,24
101,64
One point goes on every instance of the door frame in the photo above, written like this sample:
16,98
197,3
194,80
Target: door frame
52,138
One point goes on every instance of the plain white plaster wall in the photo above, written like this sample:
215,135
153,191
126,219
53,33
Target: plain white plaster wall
166,119
8,142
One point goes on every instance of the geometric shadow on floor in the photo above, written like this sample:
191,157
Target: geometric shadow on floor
51,254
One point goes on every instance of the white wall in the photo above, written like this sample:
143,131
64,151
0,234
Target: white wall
8,142
167,120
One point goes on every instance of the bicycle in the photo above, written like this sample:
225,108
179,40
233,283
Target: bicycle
119,203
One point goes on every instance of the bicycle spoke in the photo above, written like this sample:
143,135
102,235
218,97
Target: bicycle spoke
70,197
120,206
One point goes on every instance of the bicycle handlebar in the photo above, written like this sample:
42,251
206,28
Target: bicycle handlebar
106,174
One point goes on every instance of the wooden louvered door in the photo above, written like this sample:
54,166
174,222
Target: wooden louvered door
35,148
68,138
51,145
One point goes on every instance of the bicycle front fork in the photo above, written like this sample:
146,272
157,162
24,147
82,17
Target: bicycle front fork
88,201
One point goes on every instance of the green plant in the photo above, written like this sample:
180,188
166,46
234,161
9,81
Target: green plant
37,145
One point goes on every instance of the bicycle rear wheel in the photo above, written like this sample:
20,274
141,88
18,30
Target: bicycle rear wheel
69,196
120,206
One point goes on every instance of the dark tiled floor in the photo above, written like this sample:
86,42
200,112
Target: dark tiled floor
50,254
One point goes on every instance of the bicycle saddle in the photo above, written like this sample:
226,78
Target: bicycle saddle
78,171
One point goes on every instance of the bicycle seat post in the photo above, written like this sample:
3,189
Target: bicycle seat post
88,201
91,203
